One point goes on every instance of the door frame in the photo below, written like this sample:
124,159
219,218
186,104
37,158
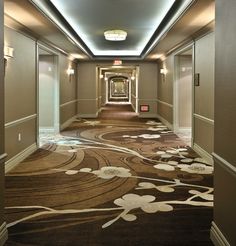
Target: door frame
56,87
175,89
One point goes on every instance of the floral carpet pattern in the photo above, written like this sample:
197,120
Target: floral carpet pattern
111,182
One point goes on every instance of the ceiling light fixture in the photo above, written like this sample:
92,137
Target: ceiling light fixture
115,35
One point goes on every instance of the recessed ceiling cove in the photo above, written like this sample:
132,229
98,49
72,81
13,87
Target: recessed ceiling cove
91,18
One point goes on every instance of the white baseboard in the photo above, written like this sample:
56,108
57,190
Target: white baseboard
165,122
89,116
204,154
230,168
184,129
217,236
14,161
133,107
146,115
68,122
3,234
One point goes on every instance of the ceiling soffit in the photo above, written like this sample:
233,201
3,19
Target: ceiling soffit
102,18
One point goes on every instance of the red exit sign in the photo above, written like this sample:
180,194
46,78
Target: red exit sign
117,62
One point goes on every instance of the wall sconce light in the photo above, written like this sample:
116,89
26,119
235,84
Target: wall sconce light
101,76
132,77
106,78
70,71
8,52
163,71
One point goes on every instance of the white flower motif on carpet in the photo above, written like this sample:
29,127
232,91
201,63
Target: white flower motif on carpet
154,123
162,188
165,167
157,128
92,122
111,172
145,136
198,168
133,201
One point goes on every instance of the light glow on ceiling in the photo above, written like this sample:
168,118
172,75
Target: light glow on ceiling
88,40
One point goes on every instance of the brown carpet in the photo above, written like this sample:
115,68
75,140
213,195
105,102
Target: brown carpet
116,180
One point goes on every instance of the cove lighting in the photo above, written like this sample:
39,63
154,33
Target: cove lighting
115,35
92,38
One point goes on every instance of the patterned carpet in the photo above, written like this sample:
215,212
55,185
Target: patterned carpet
116,180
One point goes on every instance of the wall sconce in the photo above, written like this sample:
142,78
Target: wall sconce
8,52
163,71
106,78
132,77
70,71
101,76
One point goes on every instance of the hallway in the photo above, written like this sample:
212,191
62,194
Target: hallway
77,169
116,180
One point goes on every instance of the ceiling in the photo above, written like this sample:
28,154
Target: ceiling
138,18
77,26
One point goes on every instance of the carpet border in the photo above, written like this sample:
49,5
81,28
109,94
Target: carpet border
3,233
217,237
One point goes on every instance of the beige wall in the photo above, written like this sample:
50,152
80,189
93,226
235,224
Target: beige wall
147,88
87,90
1,122
68,89
204,94
20,92
165,90
225,122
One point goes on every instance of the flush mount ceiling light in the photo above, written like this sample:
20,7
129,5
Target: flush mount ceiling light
115,35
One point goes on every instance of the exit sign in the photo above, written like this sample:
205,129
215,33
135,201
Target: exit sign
117,62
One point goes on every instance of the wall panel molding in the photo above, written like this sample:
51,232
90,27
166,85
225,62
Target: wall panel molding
3,156
225,164
19,121
3,233
14,161
68,122
165,103
217,236
68,103
88,99
205,119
